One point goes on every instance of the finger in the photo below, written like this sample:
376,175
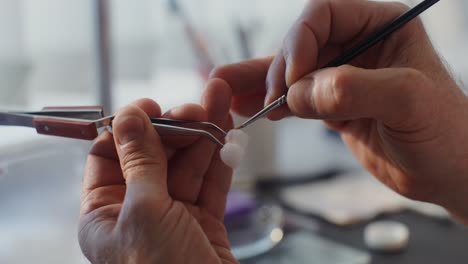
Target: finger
187,112
245,78
393,96
188,167
103,176
142,159
247,105
276,87
216,185
102,167
326,22
216,100
248,83
213,193
102,197
149,106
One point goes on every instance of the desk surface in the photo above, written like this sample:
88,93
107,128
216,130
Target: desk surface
431,241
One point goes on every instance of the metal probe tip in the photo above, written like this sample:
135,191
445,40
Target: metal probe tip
275,104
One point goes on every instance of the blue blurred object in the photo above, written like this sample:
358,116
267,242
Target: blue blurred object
253,228
333,135
238,206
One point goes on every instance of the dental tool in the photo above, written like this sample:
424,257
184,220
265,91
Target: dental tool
86,123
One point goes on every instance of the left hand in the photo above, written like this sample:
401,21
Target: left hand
152,200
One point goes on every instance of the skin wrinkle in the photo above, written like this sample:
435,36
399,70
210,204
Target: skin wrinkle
133,236
90,221
88,205
364,32
212,250
364,29
396,183
143,155
375,166
89,187
398,135
395,46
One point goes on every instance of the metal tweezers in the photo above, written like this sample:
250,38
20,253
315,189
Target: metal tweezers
87,122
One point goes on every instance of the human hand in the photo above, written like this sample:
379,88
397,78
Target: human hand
148,199
396,106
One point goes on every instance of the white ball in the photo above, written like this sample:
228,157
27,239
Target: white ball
232,154
238,137
386,236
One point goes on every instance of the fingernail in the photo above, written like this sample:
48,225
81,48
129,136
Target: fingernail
129,129
288,72
268,91
267,100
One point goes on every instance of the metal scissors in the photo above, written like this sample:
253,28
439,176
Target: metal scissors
87,122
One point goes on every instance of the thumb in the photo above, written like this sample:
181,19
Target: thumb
141,154
392,95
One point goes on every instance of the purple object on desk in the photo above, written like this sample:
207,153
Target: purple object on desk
239,205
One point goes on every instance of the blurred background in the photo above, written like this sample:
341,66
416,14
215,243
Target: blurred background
75,52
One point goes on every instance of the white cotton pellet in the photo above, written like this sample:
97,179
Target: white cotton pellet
238,137
232,154
386,236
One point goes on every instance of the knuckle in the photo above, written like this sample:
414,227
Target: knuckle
342,76
340,89
135,162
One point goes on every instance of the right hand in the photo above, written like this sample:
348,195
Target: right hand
396,106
